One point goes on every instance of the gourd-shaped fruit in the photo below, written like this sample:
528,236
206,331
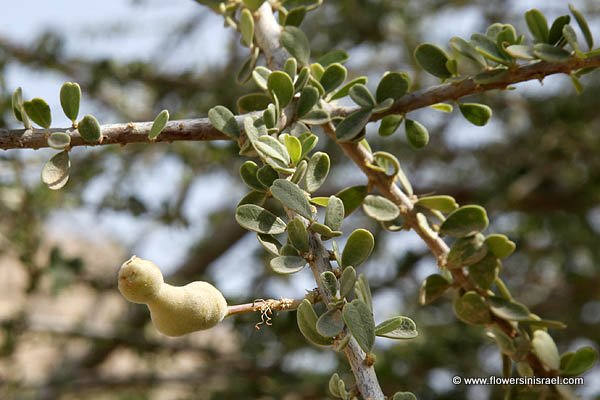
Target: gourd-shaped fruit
175,310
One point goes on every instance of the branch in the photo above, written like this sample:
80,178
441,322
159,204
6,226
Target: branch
200,129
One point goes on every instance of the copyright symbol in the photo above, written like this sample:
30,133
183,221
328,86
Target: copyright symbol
456,380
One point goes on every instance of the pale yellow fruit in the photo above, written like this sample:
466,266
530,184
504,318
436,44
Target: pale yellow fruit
175,310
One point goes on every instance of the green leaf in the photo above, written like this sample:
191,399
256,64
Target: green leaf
583,25
317,171
307,322
556,30
544,347
477,114
55,173
269,243
577,363
38,110
505,342
358,248
433,60
334,385
334,56
362,291
316,117
270,116
491,76
489,49
317,71
253,102
309,141
466,251
393,85
291,67
280,84
325,231
291,196
344,90
331,323
247,69
159,124
257,219
261,76
442,203
520,51
298,234
295,16
334,75
351,127
59,140
550,53
300,172
269,147
352,197
17,107
465,221
70,97
302,79
404,396
308,99
433,287
89,129
397,328
296,43
287,250
571,37
380,208
247,27
538,25
416,134
224,121
359,319
485,271
329,282
362,96
293,147
253,5
500,245
287,264
347,281
389,124
509,309
334,214
254,197
467,50
472,309
442,107
266,175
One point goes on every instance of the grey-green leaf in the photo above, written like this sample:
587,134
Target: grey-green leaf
331,323
351,127
38,110
500,245
307,322
393,85
397,328
260,76
416,134
475,113
404,396
159,124
583,25
55,173
330,282
433,287
257,219
59,140
334,56
347,281
334,214
89,129
253,102
253,4
551,53
334,75
556,30
359,319
433,60
269,243
224,121
70,97
579,362
298,234
380,208
520,51
291,196
296,43
17,107
466,251
266,175
442,203
344,90
544,347
472,309
358,248
287,264
485,271
465,221
317,171
280,84
362,96
509,309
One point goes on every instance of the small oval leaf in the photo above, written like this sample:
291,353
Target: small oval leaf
257,219
359,319
247,27
472,309
352,197
362,96
442,203
317,171
291,196
465,221
296,43
351,127
544,347
380,208
500,245
224,121
70,97
347,281
477,114
334,75
55,173
308,99
287,264
393,85
298,234
306,318
433,60
397,328
159,124
433,287
389,124
416,134
39,111
89,129
358,248
331,323
59,140
538,25
334,214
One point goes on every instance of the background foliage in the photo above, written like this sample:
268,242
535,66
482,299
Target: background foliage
534,168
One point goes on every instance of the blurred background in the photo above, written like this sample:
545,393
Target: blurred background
66,333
